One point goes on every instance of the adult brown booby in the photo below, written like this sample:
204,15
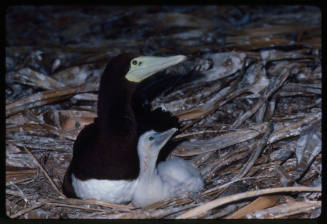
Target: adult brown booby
105,162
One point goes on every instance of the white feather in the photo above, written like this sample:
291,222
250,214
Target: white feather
115,191
169,179
180,176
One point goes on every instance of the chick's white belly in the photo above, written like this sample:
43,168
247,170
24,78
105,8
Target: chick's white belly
115,191
149,191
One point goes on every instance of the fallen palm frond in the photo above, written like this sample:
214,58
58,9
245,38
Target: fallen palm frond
46,97
219,142
285,210
198,211
261,202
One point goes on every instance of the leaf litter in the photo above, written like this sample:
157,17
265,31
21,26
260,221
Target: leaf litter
248,98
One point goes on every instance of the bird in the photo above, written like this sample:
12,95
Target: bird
105,161
166,180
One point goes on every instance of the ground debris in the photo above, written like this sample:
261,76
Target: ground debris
249,99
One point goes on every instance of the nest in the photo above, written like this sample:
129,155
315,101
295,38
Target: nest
250,111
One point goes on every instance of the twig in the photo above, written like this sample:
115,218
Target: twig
31,77
260,145
258,204
221,98
46,97
146,214
271,89
17,193
293,129
214,189
219,142
71,201
194,133
22,212
75,206
28,180
195,212
21,193
45,173
248,114
285,210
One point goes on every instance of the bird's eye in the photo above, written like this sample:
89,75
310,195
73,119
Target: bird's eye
150,138
140,63
134,62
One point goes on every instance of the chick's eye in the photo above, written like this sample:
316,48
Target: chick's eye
151,138
134,62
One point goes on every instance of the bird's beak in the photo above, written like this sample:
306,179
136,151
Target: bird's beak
144,66
161,138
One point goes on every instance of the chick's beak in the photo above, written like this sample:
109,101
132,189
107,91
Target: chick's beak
160,139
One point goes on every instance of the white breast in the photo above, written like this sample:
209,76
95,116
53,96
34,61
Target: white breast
149,190
180,176
173,178
115,191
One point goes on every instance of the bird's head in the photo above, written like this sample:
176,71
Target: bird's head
134,68
151,142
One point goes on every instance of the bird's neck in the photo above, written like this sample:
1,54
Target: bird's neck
148,167
114,105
